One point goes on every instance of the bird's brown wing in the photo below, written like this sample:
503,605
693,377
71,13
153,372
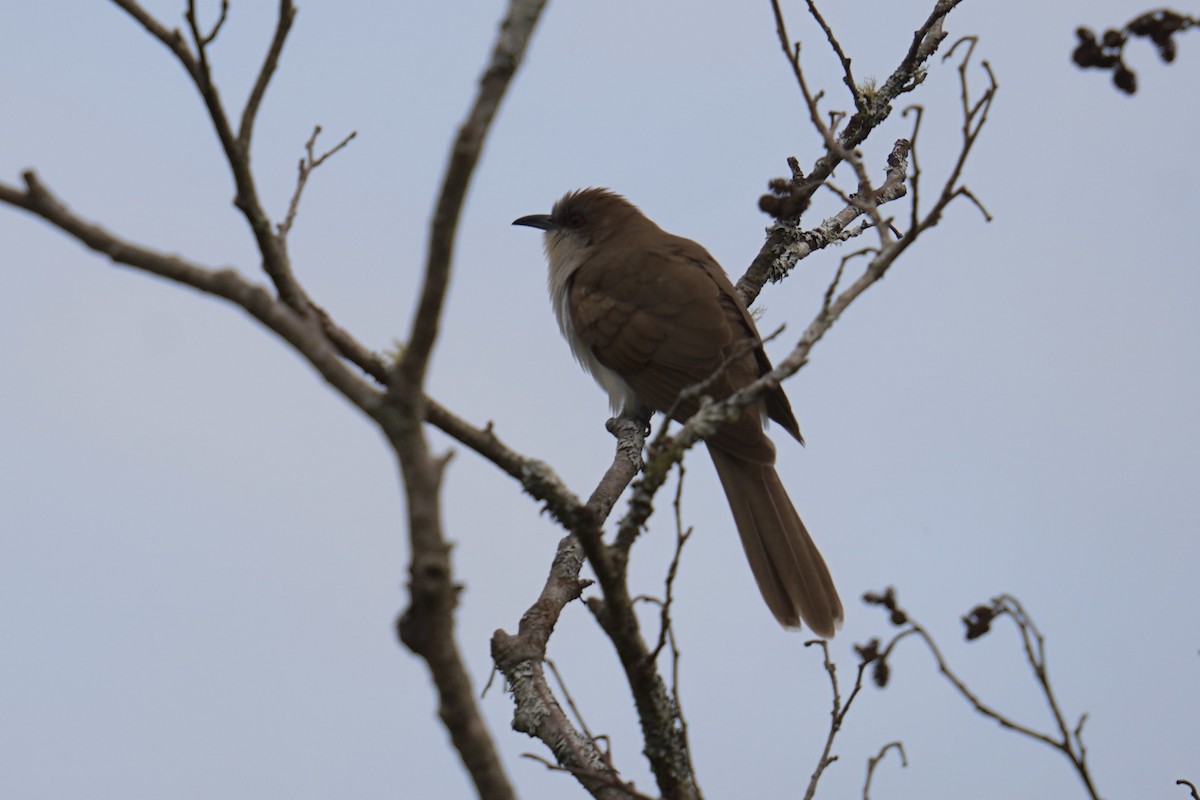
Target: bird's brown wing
668,322
776,402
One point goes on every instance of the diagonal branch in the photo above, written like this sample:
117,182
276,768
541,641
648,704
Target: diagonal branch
427,625
37,199
837,716
287,15
515,32
873,762
173,38
275,261
875,109
537,712
847,74
978,623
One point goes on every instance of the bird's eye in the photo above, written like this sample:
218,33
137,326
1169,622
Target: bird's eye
575,220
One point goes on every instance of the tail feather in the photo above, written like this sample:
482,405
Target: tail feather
792,576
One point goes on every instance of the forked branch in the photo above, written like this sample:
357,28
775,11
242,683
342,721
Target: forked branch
1068,740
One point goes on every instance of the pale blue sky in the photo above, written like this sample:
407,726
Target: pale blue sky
202,548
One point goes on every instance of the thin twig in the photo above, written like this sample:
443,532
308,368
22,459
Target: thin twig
847,74
1069,743
877,107
283,24
307,164
873,761
205,41
274,255
837,715
798,244
579,720
665,630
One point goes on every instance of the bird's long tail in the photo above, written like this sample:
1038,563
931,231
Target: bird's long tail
790,572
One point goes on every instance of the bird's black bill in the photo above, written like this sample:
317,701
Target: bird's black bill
542,221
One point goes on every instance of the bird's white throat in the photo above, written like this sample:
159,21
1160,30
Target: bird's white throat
565,254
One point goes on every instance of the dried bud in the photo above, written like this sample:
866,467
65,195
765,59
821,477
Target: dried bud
880,673
779,186
868,652
1166,51
887,599
1124,79
769,204
979,621
1087,54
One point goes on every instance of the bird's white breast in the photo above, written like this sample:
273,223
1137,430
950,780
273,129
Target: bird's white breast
565,255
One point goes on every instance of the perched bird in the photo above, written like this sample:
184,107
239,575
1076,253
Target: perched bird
650,314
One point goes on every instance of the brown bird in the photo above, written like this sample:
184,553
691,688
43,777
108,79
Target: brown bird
650,314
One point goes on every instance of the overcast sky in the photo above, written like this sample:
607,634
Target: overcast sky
202,548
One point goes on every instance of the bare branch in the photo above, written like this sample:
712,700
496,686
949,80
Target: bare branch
427,625
967,694
627,462
536,711
308,163
837,276
274,256
203,41
875,109
1191,786
837,715
874,760
173,39
350,348
918,113
797,243
978,623
509,48
847,74
665,631
975,116
287,15
227,283
664,735
566,693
